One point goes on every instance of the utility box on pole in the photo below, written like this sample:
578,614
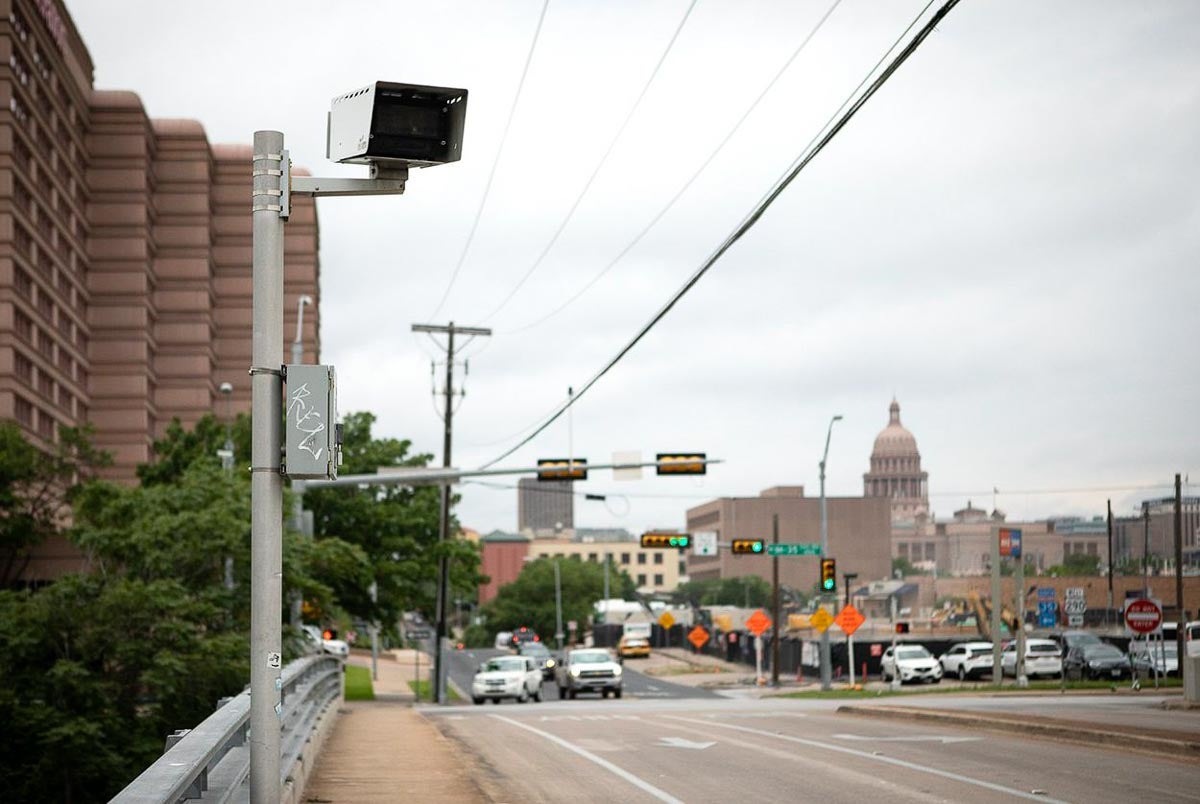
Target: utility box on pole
313,448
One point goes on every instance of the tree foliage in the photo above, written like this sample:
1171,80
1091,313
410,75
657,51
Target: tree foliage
748,590
529,600
36,489
396,527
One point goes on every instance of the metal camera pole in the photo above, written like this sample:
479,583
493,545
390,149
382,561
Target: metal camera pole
266,482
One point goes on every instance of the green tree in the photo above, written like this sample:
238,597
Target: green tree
529,600
1076,564
180,448
747,590
396,527
36,489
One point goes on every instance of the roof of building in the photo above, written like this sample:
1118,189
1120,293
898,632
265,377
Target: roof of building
502,536
894,440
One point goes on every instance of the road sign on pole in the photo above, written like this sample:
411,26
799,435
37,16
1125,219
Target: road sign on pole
758,622
849,619
698,636
666,620
821,619
704,543
793,549
1143,616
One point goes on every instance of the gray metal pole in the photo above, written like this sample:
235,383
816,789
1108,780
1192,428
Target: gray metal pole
374,592
1108,613
997,677
558,633
607,558
1146,551
775,604
266,484
826,671
1180,631
443,589
1019,583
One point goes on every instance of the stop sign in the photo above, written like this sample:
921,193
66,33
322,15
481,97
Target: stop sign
1143,616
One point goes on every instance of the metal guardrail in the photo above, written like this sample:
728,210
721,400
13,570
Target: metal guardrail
212,761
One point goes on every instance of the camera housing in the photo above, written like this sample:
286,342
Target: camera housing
391,125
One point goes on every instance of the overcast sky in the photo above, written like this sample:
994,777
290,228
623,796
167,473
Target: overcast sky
1006,238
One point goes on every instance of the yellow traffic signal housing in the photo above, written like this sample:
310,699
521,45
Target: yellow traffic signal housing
752,547
562,469
681,463
666,541
828,575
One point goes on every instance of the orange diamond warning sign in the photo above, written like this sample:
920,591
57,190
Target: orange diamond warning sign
758,622
849,619
698,636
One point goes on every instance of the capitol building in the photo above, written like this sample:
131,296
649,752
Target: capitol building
962,544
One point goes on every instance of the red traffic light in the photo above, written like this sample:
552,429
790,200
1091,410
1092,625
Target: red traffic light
901,628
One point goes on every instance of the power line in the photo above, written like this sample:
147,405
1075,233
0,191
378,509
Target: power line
596,171
695,175
496,163
748,222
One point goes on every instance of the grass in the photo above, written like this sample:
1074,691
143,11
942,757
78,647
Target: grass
1034,686
422,690
689,670
358,684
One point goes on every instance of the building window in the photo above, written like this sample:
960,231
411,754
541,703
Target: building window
45,386
641,558
45,425
682,567
23,367
1092,549
45,306
624,558
45,345
658,558
902,549
65,400
641,579
22,283
658,579
930,551
23,411
593,558
23,325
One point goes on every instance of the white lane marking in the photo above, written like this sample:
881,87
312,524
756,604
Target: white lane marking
755,715
841,749
912,738
679,742
604,763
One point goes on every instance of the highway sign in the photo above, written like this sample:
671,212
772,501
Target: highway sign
821,619
1074,605
758,622
704,543
1074,620
698,636
849,619
422,634
1074,591
1143,616
1046,593
1010,542
666,620
793,549
1047,613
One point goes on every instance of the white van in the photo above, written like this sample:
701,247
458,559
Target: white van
503,640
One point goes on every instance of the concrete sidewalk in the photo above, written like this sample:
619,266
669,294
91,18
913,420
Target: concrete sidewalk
396,668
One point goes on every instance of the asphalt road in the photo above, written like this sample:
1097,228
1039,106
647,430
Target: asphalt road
781,750
462,665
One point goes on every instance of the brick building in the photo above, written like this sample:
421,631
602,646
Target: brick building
125,251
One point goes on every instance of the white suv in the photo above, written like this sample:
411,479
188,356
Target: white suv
967,660
334,647
910,663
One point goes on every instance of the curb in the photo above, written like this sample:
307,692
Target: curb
1030,725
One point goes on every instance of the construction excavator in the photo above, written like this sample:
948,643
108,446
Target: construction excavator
981,605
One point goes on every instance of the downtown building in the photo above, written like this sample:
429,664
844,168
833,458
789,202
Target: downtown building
125,256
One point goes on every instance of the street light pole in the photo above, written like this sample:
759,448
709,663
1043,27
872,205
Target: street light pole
266,483
558,632
826,671
850,576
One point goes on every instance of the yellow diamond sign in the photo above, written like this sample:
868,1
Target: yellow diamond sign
666,620
821,620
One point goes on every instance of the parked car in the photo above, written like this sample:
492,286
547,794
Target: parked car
910,663
967,660
630,646
1067,640
503,640
588,670
521,636
334,647
1098,661
541,656
516,677
1042,658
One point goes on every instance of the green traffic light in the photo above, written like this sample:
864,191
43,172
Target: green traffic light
674,542
683,541
827,584
757,547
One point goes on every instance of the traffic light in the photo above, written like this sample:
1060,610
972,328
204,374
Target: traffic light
685,463
562,469
665,541
752,547
329,633
901,628
828,575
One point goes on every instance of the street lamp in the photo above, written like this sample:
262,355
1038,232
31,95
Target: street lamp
826,680
226,453
298,344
